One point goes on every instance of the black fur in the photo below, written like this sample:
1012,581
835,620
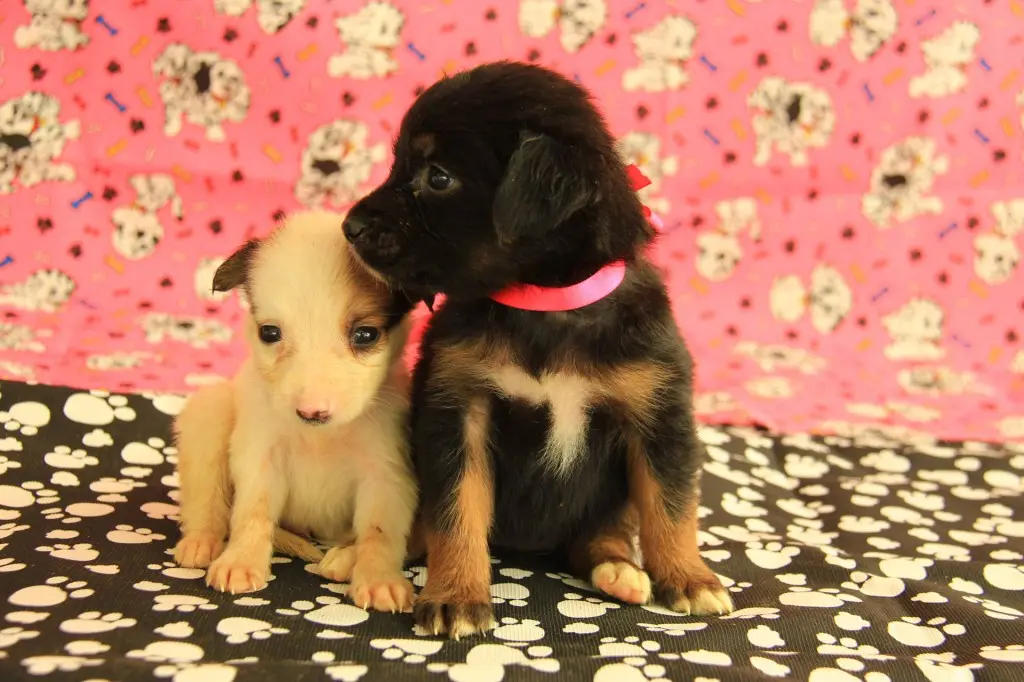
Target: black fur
541,197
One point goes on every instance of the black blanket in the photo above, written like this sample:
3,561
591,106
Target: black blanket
848,560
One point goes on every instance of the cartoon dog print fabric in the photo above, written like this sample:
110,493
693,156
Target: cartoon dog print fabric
838,178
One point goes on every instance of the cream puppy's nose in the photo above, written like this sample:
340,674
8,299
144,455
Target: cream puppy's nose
314,414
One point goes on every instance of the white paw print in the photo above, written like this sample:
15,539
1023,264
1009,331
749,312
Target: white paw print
173,570
54,591
805,466
239,630
513,594
765,612
330,612
673,629
828,597
94,622
408,650
875,585
182,603
13,498
8,464
63,457
921,500
627,646
303,606
513,630
9,529
97,408
813,537
944,552
909,631
82,551
1008,577
771,556
632,669
735,506
731,585
97,438
149,454
26,418
576,606
805,510
47,665
488,662
110,486
862,524
572,581
848,646
127,535
168,652
417,575
12,635
994,609
1013,653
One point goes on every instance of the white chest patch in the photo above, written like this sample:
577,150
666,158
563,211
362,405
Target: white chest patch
568,398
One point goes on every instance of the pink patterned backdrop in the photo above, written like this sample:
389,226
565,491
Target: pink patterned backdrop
840,180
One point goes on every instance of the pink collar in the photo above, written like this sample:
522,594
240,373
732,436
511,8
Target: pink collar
560,299
590,290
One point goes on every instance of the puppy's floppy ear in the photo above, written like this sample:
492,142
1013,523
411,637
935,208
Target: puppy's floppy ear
545,183
235,270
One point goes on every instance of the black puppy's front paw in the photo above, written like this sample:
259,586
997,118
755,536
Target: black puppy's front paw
458,619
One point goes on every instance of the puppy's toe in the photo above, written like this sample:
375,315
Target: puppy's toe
458,619
388,593
197,550
337,564
700,595
237,574
622,580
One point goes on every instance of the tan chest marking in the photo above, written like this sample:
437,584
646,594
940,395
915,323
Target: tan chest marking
568,397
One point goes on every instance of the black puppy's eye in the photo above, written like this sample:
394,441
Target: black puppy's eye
364,337
270,334
438,179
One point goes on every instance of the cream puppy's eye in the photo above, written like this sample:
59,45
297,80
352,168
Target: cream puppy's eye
365,337
270,334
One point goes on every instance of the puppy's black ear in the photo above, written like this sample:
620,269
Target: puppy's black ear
235,270
545,183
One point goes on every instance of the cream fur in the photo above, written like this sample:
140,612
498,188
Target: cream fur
250,468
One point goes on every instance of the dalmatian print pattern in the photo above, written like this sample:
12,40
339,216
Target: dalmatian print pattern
849,558
839,182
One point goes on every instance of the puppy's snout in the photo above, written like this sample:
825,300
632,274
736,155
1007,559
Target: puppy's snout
353,227
312,415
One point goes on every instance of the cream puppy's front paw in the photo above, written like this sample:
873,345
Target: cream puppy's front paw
197,550
389,592
236,573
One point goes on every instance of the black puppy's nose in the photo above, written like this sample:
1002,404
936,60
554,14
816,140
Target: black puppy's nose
353,227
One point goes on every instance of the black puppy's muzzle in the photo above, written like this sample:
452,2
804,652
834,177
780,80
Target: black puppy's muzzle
372,228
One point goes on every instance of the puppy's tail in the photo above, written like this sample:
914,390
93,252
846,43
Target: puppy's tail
291,544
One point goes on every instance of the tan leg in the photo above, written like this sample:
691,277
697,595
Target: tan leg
259,497
385,506
609,560
668,540
457,596
202,435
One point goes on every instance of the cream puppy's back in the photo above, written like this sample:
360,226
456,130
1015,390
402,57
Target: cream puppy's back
309,436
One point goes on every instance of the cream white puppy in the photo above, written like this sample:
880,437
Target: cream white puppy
308,438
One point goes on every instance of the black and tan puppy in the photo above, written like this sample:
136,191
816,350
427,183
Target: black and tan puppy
539,431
